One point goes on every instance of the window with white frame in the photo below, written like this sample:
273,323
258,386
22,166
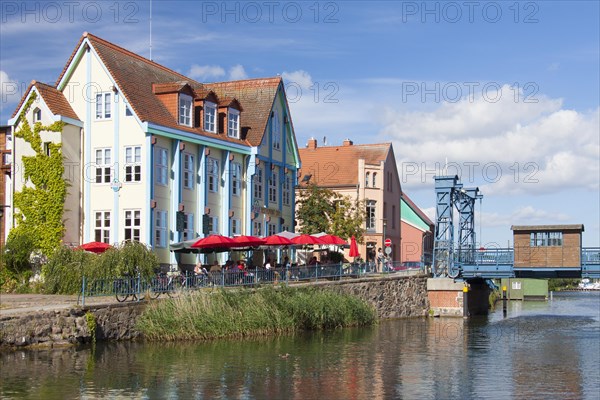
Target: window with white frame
273,187
516,285
287,189
102,229
374,179
367,177
213,224
257,228
188,171
236,179
210,117
236,226
133,222
188,227
133,164
213,175
272,229
233,123
276,131
370,214
103,165
258,183
544,239
185,109
103,106
161,160
160,228
37,115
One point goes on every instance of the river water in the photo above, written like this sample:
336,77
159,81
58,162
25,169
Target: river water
540,350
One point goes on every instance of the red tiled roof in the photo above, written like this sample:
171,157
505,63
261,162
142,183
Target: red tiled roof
54,99
338,165
416,209
135,75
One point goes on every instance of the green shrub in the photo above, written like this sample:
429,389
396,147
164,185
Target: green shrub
17,252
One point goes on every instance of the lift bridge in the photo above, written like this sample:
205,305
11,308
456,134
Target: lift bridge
463,260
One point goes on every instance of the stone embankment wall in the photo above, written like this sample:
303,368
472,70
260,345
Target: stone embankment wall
392,296
67,327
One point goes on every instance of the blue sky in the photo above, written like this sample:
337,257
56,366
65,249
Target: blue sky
504,93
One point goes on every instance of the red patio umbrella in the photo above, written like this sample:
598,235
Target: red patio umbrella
307,239
248,241
276,240
353,248
332,239
215,241
95,247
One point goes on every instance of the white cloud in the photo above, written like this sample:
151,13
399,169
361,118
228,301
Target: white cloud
9,89
237,73
300,78
506,147
205,72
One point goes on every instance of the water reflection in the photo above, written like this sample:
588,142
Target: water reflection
546,350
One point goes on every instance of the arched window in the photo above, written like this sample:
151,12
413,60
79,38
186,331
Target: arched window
374,179
367,179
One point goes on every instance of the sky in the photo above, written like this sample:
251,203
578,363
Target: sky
503,94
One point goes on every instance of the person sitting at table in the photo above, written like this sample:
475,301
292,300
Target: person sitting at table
215,267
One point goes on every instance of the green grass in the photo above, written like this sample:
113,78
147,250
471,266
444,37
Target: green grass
239,313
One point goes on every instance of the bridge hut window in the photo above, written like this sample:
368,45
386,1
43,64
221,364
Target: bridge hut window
544,239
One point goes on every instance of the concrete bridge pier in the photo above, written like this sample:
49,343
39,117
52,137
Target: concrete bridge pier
447,297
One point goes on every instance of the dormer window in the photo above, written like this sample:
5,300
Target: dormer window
37,115
185,110
233,123
210,117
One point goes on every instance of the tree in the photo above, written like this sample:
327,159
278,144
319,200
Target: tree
323,210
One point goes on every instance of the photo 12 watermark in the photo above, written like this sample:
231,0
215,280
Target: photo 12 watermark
453,92
453,12
125,12
253,12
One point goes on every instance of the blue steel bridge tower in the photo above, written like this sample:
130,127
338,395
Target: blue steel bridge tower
450,194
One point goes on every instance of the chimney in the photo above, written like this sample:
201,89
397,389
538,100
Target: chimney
348,142
312,143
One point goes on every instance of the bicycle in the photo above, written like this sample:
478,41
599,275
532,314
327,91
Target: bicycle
126,287
162,284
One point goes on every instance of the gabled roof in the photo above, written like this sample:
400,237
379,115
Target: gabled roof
338,165
135,76
412,214
54,99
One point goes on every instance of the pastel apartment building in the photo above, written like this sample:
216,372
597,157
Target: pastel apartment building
366,173
154,156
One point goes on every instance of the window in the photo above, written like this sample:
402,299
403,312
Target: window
103,101
374,179
161,159
133,164
257,228
47,150
132,224
233,123
543,239
37,115
272,229
185,109
188,171
287,185
236,226
370,214
273,187
213,175
384,209
128,112
367,177
188,227
213,224
276,131
258,184
160,230
393,216
236,179
103,166
102,229
516,285
210,117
